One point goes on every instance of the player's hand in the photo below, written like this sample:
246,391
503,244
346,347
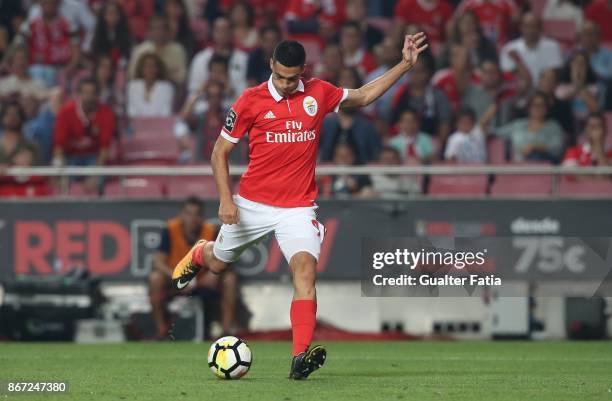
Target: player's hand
413,46
228,213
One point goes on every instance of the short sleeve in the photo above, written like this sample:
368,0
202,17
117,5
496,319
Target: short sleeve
239,120
333,97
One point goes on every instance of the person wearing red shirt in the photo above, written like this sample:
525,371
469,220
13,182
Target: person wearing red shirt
455,80
354,52
496,17
283,119
83,129
600,12
52,41
315,20
593,151
430,15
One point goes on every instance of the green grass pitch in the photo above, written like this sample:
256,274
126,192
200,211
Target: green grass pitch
471,371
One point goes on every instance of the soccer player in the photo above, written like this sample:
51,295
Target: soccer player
283,118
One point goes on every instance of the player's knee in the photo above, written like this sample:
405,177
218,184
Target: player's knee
304,267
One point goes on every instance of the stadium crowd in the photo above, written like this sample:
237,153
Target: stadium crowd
506,81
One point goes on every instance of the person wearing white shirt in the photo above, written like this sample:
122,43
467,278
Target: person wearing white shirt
468,143
150,95
536,52
238,60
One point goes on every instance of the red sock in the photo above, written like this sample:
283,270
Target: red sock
198,255
303,321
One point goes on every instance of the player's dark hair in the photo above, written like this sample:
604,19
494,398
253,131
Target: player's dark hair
290,53
195,201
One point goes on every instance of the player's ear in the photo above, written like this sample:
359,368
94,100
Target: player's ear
271,63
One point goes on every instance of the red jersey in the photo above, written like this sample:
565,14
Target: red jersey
495,17
430,15
78,135
446,82
581,155
49,43
600,11
284,135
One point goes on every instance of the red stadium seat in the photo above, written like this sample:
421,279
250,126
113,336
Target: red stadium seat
518,185
157,126
458,185
202,187
496,149
592,187
136,187
563,31
141,148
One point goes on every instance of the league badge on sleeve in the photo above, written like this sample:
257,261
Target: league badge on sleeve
230,120
310,106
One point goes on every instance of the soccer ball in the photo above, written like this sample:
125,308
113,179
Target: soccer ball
229,358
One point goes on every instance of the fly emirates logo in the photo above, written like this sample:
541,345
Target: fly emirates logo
293,133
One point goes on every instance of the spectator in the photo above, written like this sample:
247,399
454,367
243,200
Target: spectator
258,66
536,52
346,186
353,52
76,12
175,12
111,90
217,72
393,186
455,80
356,10
496,17
467,32
331,63
413,145
468,143
112,35
13,144
600,12
242,17
491,89
150,94
83,131
430,103
388,54
593,151
349,126
222,45
314,20
138,13
19,83
17,151
536,137
178,237
11,16
431,15
52,41
579,86
600,59
40,120
203,127
564,10
171,53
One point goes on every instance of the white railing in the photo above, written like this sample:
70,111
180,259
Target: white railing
124,171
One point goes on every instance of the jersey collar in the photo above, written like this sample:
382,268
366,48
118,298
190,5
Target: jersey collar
277,96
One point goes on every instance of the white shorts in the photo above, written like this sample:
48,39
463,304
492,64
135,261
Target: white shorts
296,230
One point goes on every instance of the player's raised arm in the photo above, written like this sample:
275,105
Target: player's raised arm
413,46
